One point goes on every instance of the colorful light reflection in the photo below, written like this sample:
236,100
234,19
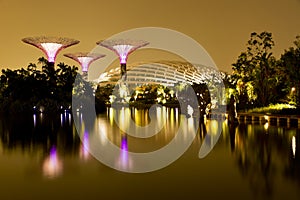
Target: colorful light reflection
84,150
124,161
52,166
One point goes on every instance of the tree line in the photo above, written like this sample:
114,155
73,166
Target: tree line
32,89
257,80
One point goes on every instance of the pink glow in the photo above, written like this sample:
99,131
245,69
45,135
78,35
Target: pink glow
51,50
85,62
122,47
124,162
123,51
84,59
124,146
84,151
52,166
50,45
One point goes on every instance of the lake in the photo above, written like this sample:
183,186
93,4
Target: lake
48,157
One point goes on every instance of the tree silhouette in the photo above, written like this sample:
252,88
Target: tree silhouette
290,62
256,72
47,89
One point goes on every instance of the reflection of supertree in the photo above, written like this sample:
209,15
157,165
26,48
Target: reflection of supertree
123,48
85,146
124,162
84,59
52,165
51,46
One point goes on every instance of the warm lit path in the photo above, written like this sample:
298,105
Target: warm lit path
282,120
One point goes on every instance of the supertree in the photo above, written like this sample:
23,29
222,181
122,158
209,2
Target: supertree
50,45
122,48
84,59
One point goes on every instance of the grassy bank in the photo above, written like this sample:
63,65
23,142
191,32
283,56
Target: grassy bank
278,109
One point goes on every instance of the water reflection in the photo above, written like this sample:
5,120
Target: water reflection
292,166
52,165
41,136
264,158
294,146
262,153
124,161
85,147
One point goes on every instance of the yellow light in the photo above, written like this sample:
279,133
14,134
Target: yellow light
102,130
112,98
213,127
266,118
293,89
294,146
266,126
111,116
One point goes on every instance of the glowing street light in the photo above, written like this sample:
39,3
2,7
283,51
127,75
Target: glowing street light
293,89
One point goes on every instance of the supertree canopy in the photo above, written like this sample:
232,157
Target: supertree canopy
122,48
84,59
50,45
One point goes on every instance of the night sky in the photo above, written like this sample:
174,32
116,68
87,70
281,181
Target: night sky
221,27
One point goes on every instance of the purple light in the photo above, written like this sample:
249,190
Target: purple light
52,166
85,62
123,47
51,50
53,153
123,52
124,158
124,161
84,59
84,150
124,146
51,46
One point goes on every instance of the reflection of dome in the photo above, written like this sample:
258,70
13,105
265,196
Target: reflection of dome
166,73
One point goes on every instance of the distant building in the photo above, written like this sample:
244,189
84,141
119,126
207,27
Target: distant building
167,73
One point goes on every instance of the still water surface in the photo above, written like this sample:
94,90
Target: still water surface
43,157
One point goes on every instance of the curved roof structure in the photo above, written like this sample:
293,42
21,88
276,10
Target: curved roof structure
166,73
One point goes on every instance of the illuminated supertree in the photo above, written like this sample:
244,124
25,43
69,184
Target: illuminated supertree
123,48
84,59
51,46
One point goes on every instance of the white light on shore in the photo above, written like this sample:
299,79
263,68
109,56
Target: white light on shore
294,146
